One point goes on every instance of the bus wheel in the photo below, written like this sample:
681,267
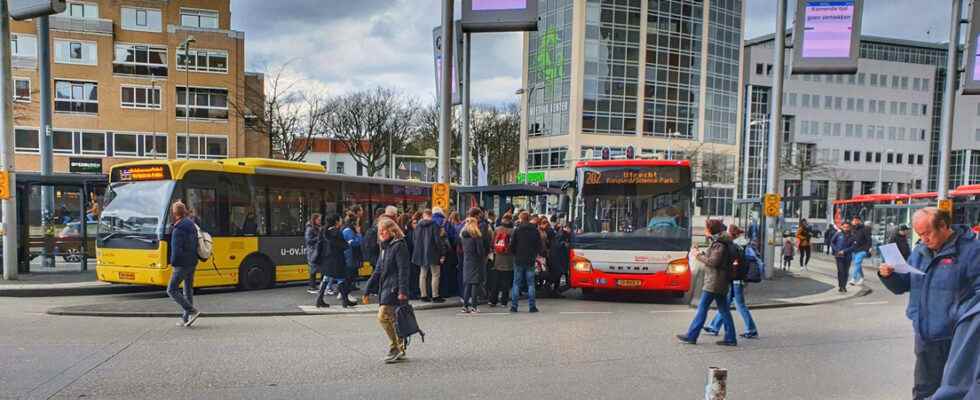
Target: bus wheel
254,274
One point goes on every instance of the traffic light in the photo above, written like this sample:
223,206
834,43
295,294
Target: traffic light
771,205
27,9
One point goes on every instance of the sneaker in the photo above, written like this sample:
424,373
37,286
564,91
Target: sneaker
331,292
182,324
726,343
474,310
438,300
465,310
850,282
401,356
684,339
193,317
321,304
392,357
312,290
426,299
750,335
710,331
532,310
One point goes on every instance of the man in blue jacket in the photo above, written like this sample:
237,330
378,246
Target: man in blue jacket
949,259
183,260
961,377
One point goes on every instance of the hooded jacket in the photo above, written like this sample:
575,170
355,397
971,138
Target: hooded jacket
474,258
392,273
718,263
862,237
961,376
428,244
940,297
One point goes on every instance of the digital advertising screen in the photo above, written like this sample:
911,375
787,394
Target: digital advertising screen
971,82
494,5
828,29
500,15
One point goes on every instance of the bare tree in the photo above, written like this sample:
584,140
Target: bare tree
373,124
496,141
800,161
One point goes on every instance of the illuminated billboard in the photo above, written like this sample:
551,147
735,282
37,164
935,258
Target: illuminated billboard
971,82
827,37
500,15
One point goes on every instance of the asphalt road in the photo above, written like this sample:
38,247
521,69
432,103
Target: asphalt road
858,349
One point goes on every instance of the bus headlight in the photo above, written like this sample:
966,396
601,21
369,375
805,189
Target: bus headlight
677,267
582,265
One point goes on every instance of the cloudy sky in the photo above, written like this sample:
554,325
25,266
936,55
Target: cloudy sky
344,45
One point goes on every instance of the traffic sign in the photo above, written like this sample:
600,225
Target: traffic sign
771,204
4,185
440,195
946,205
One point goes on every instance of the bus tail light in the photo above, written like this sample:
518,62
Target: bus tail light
677,267
581,265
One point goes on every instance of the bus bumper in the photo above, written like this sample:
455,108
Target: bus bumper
660,281
135,276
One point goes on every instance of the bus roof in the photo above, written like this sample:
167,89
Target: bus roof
178,168
633,163
966,190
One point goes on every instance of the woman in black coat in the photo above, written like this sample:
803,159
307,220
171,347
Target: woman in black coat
390,282
474,261
330,260
312,242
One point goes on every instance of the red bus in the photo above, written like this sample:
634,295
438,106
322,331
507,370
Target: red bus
632,226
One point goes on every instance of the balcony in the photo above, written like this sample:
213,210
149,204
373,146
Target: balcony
84,25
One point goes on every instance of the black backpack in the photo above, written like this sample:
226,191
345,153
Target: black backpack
739,264
405,323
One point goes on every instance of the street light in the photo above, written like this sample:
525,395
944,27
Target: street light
880,170
186,45
527,115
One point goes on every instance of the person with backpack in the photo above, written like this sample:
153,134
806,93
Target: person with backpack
428,255
803,237
330,259
390,282
312,242
474,258
502,274
745,258
184,257
718,266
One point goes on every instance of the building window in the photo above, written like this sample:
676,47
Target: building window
868,187
22,89
205,103
76,97
553,158
140,59
22,45
203,147
93,143
340,167
758,69
717,201
81,10
75,52
124,144
63,142
26,140
868,156
141,97
847,155
818,208
141,19
918,159
203,61
154,145
199,18
898,158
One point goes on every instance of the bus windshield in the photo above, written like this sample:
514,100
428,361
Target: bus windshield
134,214
633,208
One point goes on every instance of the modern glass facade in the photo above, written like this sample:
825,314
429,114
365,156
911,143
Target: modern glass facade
549,75
612,67
673,68
756,143
724,53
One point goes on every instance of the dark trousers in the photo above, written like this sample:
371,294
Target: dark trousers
469,294
804,255
413,283
499,283
843,269
312,275
930,359
342,287
185,300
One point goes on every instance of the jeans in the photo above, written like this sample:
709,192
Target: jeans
434,271
183,275
930,359
469,294
702,314
804,255
737,293
341,287
856,271
523,275
843,264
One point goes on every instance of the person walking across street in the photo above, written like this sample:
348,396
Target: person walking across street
862,245
390,282
842,245
803,238
312,241
183,261
718,266
525,245
428,255
736,292
474,258
502,275
331,260
942,295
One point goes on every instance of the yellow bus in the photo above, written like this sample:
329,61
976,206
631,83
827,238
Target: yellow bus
255,209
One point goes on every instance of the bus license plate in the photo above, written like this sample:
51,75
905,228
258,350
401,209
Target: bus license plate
629,283
127,276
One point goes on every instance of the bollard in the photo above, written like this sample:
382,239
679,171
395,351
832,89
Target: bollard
717,387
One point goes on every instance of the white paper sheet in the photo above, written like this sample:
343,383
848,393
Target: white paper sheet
894,258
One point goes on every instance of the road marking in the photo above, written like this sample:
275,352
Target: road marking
871,303
585,312
670,311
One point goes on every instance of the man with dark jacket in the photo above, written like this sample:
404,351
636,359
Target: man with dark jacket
862,245
428,255
940,297
369,246
525,244
183,260
330,259
961,376
842,245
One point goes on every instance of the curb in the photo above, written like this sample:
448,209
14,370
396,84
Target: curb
828,297
86,289
333,310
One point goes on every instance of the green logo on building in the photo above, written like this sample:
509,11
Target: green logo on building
550,60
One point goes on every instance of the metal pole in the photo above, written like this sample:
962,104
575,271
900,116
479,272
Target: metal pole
446,97
187,100
465,170
775,125
9,206
44,139
949,97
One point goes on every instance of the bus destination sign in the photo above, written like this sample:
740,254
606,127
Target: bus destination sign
632,177
141,173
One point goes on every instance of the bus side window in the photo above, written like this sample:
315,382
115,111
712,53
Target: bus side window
242,218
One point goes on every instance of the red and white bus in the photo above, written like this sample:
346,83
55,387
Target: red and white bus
632,226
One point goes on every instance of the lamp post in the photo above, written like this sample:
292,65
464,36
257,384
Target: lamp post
881,170
527,115
186,45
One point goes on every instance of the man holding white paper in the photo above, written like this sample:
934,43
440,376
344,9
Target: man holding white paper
942,277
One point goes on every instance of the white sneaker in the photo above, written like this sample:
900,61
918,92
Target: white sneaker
859,282
850,282
193,317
